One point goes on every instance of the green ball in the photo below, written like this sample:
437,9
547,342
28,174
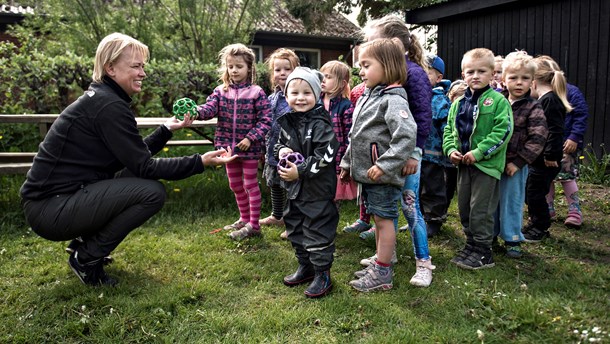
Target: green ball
185,106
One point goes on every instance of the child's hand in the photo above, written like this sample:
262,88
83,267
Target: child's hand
374,173
469,158
244,144
569,146
511,169
456,158
289,173
410,167
549,163
344,176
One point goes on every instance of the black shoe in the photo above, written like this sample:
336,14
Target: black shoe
433,228
304,274
91,273
478,259
75,243
320,286
461,255
533,234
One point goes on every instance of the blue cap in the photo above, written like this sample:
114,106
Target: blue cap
437,63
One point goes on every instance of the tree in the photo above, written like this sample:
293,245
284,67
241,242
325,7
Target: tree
173,29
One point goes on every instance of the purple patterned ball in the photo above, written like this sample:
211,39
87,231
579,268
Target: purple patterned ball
294,157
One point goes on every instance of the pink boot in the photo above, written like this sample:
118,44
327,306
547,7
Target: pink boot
574,219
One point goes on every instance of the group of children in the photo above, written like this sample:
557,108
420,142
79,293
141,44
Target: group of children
404,134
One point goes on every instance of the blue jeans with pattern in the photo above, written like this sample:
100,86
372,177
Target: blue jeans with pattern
413,215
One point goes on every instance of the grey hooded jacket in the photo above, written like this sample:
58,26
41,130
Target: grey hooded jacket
383,133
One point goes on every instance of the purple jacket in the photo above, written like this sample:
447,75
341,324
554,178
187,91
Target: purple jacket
576,121
419,92
243,111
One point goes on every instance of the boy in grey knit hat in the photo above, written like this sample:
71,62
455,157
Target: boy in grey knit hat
311,216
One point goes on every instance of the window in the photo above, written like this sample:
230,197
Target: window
308,57
258,52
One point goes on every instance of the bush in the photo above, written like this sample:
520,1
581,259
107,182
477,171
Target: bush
596,170
34,83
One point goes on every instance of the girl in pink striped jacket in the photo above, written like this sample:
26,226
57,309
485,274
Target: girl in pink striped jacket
244,117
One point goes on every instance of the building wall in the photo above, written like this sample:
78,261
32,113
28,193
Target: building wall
573,32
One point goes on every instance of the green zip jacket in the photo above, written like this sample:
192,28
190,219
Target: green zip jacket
492,129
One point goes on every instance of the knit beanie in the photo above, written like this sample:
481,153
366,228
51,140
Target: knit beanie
312,77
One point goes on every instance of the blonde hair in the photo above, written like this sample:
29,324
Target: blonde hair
549,73
482,54
390,54
519,60
109,50
236,49
392,26
341,72
281,54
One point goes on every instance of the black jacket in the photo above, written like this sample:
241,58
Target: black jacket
311,134
95,137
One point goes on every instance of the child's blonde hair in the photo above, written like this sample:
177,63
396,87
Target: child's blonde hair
390,54
236,49
480,53
392,26
548,72
341,72
281,54
518,60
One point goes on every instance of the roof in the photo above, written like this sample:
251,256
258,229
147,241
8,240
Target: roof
431,14
279,20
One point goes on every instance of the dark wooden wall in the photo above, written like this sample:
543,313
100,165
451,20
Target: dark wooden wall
576,33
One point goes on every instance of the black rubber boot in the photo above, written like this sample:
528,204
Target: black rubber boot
320,286
304,274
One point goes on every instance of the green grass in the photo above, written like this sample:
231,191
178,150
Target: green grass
180,283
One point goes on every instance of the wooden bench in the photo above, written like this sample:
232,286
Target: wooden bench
20,162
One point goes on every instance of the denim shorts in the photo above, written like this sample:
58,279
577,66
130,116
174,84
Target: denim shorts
381,200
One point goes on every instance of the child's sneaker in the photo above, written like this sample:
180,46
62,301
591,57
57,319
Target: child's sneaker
239,224
272,221
361,273
461,255
403,228
423,273
368,235
357,227
376,278
372,259
246,232
514,251
574,219
477,260
533,234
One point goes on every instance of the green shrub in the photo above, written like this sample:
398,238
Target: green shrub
596,169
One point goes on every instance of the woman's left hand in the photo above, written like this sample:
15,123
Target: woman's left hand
174,124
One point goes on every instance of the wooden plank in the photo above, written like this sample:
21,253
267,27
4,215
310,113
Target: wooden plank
12,157
189,143
15,168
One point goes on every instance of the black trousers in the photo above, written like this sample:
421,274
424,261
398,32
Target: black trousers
311,228
450,184
102,213
432,192
538,185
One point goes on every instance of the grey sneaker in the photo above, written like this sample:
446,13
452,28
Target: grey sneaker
374,279
246,232
370,260
357,227
361,273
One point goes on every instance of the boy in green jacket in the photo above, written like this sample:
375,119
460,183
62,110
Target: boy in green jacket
475,139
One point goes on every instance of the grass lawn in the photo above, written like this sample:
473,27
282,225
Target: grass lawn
182,283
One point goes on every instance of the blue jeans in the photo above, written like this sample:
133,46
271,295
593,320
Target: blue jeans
412,212
381,200
508,219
